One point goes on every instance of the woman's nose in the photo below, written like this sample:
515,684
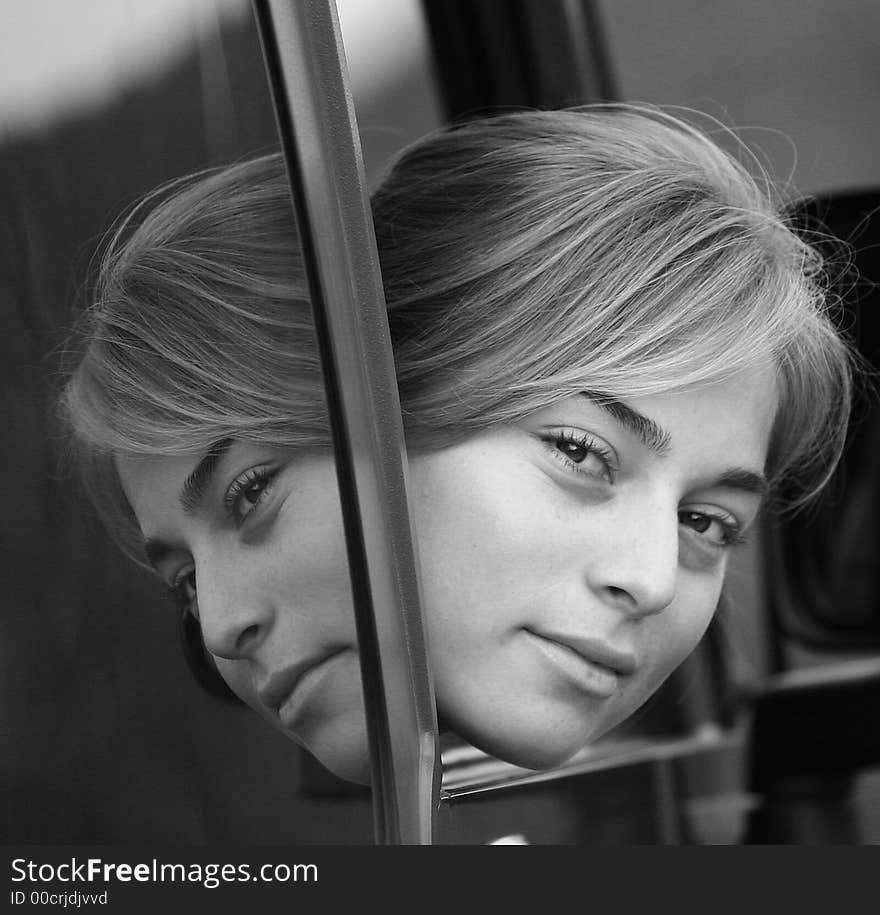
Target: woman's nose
235,617
637,567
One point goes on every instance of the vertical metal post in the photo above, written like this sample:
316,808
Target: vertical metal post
305,61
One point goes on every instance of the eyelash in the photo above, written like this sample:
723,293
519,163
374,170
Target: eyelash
732,534
180,590
240,486
731,531
589,445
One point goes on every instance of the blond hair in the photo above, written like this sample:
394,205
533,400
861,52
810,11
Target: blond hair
525,258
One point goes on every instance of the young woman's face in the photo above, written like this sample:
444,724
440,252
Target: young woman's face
569,563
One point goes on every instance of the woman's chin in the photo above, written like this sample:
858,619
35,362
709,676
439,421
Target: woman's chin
350,769
531,757
530,752
345,754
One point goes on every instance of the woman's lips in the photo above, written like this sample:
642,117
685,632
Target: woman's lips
595,667
281,686
295,705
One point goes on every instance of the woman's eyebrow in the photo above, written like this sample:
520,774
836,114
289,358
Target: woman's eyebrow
649,433
655,437
747,480
196,484
191,494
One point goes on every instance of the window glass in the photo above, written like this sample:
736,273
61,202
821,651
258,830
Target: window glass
111,739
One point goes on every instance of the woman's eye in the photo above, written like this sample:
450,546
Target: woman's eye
251,494
716,530
574,450
184,590
581,453
247,492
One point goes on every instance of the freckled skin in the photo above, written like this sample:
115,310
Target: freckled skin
517,532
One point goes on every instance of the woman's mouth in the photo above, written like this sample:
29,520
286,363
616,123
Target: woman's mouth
287,692
594,667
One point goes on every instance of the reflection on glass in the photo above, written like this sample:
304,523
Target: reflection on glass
102,716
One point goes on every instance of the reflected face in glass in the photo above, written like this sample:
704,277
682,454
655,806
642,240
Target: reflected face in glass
569,563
